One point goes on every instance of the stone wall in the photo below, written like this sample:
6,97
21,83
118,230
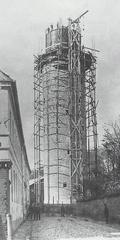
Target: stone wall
92,208
95,209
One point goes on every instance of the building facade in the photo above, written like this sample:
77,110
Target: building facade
14,166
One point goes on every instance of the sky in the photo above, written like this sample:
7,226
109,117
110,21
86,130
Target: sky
22,26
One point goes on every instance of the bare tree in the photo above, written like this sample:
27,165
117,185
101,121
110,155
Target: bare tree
111,144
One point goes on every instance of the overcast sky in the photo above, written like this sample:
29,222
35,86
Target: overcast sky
22,26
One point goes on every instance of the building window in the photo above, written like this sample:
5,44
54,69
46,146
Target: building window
64,184
68,151
10,126
12,185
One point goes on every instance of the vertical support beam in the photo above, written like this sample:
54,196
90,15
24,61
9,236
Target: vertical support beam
82,102
57,117
48,126
91,115
83,130
77,107
38,103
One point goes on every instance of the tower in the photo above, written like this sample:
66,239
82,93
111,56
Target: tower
65,129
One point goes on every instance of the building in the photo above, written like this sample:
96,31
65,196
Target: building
14,166
65,127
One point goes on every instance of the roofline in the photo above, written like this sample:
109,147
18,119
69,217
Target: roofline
20,122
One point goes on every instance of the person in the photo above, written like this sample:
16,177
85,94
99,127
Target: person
71,210
33,211
30,212
47,210
106,212
39,211
62,210
67,210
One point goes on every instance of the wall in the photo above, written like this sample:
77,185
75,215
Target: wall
26,193
92,209
3,124
2,232
19,173
15,174
95,209
4,156
15,184
4,195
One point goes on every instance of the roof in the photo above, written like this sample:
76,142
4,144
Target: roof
4,78
33,181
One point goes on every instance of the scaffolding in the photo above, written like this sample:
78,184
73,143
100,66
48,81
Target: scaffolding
38,129
82,110
65,125
91,118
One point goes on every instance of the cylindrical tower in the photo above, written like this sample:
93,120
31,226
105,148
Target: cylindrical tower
56,152
65,114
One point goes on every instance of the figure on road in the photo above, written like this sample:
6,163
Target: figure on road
62,210
106,212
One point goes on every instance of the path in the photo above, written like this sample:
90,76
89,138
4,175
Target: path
68,228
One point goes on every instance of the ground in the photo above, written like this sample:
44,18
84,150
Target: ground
66,228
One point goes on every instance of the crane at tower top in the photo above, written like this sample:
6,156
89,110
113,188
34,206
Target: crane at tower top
77,19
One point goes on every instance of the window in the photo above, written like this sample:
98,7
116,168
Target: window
12,184
10,126
64,184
